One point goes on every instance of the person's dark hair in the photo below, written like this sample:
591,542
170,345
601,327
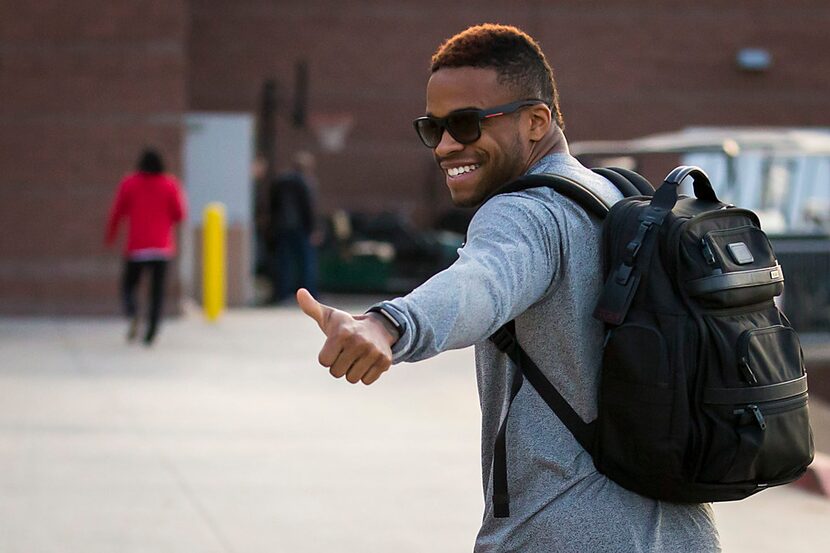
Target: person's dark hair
150,162
514,54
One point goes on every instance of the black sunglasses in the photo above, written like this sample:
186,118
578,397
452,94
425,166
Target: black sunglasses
464,125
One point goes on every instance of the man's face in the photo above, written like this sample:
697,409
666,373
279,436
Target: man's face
502,152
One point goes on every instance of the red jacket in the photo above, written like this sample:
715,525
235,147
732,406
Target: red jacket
153,204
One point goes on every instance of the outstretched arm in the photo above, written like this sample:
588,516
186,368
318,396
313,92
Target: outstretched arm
510,261
507,265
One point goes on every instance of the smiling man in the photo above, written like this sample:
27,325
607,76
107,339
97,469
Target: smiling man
492,115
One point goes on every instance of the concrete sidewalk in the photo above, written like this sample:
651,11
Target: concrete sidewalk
230,438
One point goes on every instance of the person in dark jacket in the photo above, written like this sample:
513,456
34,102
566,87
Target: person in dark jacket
153,204
292,210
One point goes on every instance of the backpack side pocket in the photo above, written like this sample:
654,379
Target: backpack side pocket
754,412
636,404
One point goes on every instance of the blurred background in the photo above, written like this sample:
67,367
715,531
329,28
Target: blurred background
215,85
229,436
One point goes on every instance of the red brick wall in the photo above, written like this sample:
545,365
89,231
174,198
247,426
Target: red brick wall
625,68
84,86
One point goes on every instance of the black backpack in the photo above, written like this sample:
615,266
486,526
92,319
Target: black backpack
703,393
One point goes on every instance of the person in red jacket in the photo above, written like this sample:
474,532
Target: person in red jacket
153,203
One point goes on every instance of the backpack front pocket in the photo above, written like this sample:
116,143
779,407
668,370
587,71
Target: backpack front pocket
769,355
735,339
742,269
754,399
757,439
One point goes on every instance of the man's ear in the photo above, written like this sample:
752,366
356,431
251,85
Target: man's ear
540,121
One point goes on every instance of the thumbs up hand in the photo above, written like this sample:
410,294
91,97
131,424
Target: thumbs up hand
358,347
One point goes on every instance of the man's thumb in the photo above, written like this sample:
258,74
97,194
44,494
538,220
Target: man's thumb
311,307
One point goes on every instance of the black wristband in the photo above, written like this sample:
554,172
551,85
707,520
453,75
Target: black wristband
390,315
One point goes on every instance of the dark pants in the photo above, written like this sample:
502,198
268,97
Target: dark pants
132,274
295,264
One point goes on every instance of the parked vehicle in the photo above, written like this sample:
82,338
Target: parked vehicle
783,174
382,253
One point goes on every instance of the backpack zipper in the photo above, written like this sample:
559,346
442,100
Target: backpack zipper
742,348
743,351
709,256
746,371
759,417
772,409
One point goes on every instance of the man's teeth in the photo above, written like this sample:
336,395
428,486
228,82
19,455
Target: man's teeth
455,171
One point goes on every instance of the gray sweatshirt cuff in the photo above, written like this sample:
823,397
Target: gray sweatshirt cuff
401,323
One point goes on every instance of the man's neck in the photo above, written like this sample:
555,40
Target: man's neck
553,142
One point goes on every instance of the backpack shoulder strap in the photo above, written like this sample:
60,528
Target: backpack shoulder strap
505,340
627,182
505,337
569,188
642,184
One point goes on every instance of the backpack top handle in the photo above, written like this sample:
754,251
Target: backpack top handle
665,197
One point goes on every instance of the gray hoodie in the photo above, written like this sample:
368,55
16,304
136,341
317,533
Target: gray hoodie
534,256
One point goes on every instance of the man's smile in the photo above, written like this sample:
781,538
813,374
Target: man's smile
453,172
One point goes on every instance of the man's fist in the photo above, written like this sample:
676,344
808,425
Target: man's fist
358,347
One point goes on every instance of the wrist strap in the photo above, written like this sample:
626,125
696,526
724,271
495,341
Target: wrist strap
391,316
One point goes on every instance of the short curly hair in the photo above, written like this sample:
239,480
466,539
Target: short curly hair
514,54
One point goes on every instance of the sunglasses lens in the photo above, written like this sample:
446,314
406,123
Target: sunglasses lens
429,131
464,127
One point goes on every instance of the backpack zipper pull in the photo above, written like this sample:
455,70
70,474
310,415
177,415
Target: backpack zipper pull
746,370
605,342
709,256
759,417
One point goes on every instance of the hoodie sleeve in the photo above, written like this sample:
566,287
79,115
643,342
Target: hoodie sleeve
178,202
508,263
117,212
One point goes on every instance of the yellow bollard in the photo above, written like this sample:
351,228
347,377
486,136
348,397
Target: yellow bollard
213,260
